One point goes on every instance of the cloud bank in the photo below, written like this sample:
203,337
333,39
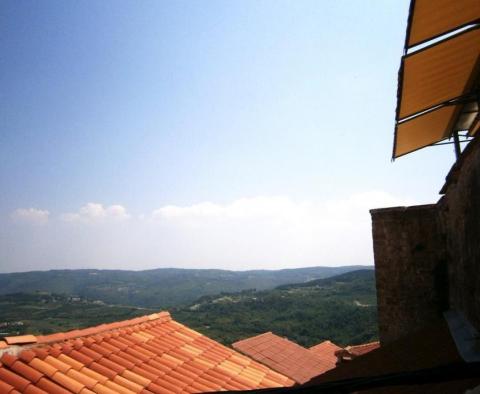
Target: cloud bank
262,232
94,213
30,215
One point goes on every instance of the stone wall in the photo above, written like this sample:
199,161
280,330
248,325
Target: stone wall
410,266
427,257
460,210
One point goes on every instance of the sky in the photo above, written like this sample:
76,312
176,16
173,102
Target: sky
214,134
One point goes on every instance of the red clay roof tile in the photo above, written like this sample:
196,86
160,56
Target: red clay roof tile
284,356
81,358
70,361
172,388
8,359
13,379
152,354
358,350
26,371
101,389
31,389
127,383
5,388
43,367
155,388
134,377
21,339
146,374
40,352
82,378
90,353
67,382
427,348
94,375
51,338
51,387
61,366
103,370
118,388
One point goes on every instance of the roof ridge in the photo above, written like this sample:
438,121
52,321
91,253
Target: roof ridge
363,344
255,336
321,343
76,333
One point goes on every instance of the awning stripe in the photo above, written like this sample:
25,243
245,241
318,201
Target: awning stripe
438,85
424,130
438,73
430,19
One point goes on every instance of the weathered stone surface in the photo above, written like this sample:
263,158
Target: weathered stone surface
427,257
460,211
410,268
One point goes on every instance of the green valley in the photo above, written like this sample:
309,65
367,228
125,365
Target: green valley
341,308
158,288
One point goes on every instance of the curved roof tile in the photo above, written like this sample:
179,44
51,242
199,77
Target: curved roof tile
150,354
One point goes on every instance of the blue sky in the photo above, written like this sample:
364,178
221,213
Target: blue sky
239,134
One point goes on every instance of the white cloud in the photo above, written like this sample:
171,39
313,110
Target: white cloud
274,207
30,215
263,232
283,208
271,232
94,213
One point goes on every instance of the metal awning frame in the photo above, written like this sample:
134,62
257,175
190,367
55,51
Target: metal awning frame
464,99
462,138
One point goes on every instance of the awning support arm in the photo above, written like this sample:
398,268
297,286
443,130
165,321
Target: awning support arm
456,144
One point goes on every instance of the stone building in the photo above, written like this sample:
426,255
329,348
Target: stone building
427,257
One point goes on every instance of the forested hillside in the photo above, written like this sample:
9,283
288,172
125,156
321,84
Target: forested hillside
341,308
159,288
45,313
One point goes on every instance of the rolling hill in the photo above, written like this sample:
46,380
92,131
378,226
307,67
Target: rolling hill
159,288
340,308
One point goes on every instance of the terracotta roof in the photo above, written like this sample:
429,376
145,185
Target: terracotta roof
359,350
427,348
284,356
149,354
20,339
326,350
351,352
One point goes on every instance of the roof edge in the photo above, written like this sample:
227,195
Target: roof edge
72,334
255,336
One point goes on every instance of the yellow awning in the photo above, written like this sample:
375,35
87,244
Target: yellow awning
439,73
438,83
432,18
422,131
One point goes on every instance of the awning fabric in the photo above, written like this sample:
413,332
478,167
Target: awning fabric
438,82
438,73
424,130
432,18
